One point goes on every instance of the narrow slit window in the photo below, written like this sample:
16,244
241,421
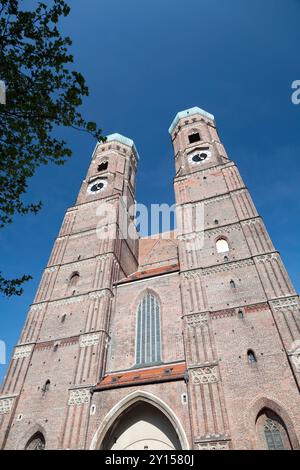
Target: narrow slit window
251,357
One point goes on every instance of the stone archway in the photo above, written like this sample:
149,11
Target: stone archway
140,421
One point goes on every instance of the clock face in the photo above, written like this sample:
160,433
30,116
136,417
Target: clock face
199,156
97,186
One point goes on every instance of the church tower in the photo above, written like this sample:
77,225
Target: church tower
184,340
240,311
62,349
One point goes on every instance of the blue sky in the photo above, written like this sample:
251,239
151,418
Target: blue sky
143,62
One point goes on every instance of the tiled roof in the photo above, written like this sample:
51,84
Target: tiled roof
164,373
150,273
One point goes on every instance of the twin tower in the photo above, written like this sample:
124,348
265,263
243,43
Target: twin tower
187,340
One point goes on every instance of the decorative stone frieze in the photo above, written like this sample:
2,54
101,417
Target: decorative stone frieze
221,230
70,300
268,257
212,445
198,319
37,307
227,267
253,221
192,274
204,375
22,351
6,404
97,295
289,302
80,396
103,257
89,340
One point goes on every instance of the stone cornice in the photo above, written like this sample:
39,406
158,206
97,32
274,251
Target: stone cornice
75,298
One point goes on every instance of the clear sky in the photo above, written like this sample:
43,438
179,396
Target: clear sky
145,60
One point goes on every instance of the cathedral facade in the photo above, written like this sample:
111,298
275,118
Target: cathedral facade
185,340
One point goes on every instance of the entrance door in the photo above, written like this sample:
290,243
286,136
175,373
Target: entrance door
142,427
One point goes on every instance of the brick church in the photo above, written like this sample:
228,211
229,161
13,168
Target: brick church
158,343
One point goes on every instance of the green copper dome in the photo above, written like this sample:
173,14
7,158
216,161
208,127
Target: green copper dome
187,113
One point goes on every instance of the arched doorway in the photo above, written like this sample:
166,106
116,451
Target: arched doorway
142,426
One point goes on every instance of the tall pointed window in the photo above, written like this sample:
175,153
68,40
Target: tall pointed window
148,343
36,442
273,431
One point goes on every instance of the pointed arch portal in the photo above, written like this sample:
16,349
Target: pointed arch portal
140,422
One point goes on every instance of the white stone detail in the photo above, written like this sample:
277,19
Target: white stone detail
37,307
22,351
290,302
51,270
89,340
251,221
268,257
213,446
5,405
198,319
70,300
204,375
81,396
97,295
103,257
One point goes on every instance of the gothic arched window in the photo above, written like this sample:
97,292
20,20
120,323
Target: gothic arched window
74,279
272,431
148,343
222,245
36,442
